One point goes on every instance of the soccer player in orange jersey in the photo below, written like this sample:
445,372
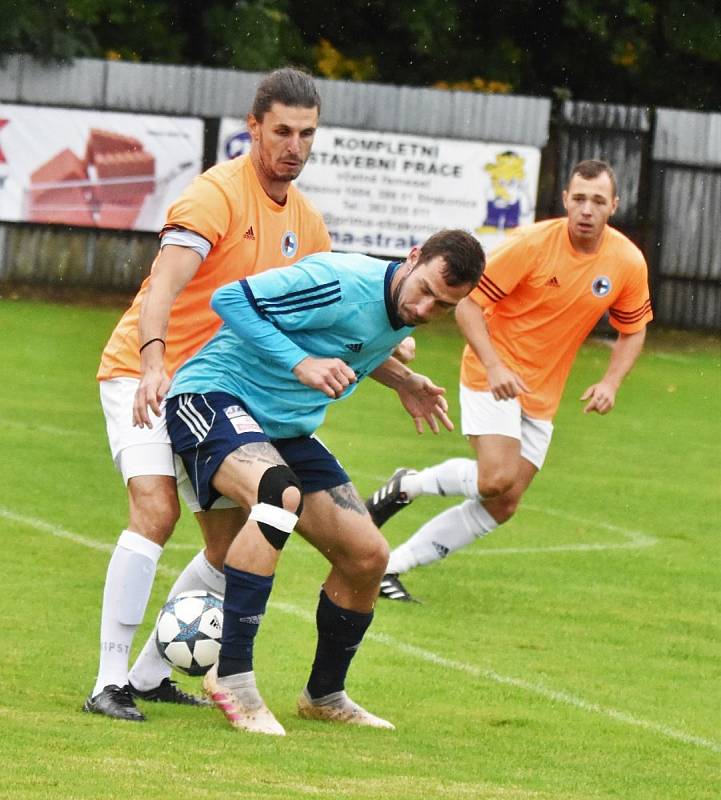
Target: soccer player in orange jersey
540,296
236,219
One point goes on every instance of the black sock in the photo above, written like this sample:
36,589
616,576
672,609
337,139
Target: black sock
340,632
246,596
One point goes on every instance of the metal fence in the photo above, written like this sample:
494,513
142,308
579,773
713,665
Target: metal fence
668,164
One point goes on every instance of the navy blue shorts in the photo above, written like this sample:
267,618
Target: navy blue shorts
205,428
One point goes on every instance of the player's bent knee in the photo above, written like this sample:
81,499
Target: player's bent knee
280,502
495,483
372,562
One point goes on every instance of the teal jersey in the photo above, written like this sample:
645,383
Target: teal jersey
327,305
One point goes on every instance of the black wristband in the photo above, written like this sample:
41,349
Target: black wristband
150,341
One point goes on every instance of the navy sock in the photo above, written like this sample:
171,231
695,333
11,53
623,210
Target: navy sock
340,632
246,596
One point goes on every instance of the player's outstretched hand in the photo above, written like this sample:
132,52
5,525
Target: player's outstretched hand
329,375
504,383
154,385
406,350
601,397
425,402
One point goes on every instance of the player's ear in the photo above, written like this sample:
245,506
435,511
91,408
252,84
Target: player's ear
413,257
564,197
614,206
252,125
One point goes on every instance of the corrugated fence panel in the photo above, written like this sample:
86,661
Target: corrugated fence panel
157,88
10,79
79,84
434,112
222,92
617,134
687,137
687,194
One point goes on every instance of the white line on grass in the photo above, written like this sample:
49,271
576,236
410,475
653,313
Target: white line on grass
413,651
52,430
634,539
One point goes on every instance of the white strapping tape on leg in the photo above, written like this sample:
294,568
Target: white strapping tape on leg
273,515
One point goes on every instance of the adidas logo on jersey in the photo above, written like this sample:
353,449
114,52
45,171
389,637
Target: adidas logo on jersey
354,347
553,282
249,234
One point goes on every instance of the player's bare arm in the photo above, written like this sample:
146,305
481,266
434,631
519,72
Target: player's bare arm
329,375
503,382
421,398
602,395
173,269
406,350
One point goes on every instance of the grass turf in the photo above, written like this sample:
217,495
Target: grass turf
573,654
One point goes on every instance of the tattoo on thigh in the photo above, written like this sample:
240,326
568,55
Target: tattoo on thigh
257,452
346,496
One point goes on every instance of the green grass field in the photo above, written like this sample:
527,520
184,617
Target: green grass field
574,654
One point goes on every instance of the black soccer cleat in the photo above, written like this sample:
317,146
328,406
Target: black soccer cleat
393,589
168,691
389,499
115,702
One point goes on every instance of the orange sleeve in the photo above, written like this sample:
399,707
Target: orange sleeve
632,310
505,269
202,208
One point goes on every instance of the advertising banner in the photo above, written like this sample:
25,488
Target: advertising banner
94,168
383,193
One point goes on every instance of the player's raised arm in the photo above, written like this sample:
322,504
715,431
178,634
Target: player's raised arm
173,269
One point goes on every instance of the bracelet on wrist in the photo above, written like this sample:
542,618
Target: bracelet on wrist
150,341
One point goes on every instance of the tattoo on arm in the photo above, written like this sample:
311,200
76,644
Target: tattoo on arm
346,496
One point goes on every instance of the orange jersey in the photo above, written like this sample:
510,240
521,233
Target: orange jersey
541,299
248,232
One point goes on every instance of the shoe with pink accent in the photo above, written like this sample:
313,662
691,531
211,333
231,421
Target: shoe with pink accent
240,701
338,707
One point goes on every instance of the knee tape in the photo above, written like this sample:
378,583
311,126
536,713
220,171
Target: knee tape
275,523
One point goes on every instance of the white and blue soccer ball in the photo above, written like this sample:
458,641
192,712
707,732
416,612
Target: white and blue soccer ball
188,631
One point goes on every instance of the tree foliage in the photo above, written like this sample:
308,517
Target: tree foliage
627,51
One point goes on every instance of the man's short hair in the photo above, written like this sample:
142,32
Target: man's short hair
591,168
463,255
289,86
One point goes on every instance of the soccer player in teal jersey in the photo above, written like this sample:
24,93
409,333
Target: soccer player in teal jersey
242,414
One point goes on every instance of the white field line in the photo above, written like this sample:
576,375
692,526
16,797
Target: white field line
418,653
52,430
633,539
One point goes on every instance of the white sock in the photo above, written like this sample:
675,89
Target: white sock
444,534
457,476
149,669
128,582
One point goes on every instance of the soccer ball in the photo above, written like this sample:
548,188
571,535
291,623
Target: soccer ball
188,631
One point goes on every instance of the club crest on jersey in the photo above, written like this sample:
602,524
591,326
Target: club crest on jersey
601,286
289,244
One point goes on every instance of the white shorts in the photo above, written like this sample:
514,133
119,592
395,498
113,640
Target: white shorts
481,415
143,451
